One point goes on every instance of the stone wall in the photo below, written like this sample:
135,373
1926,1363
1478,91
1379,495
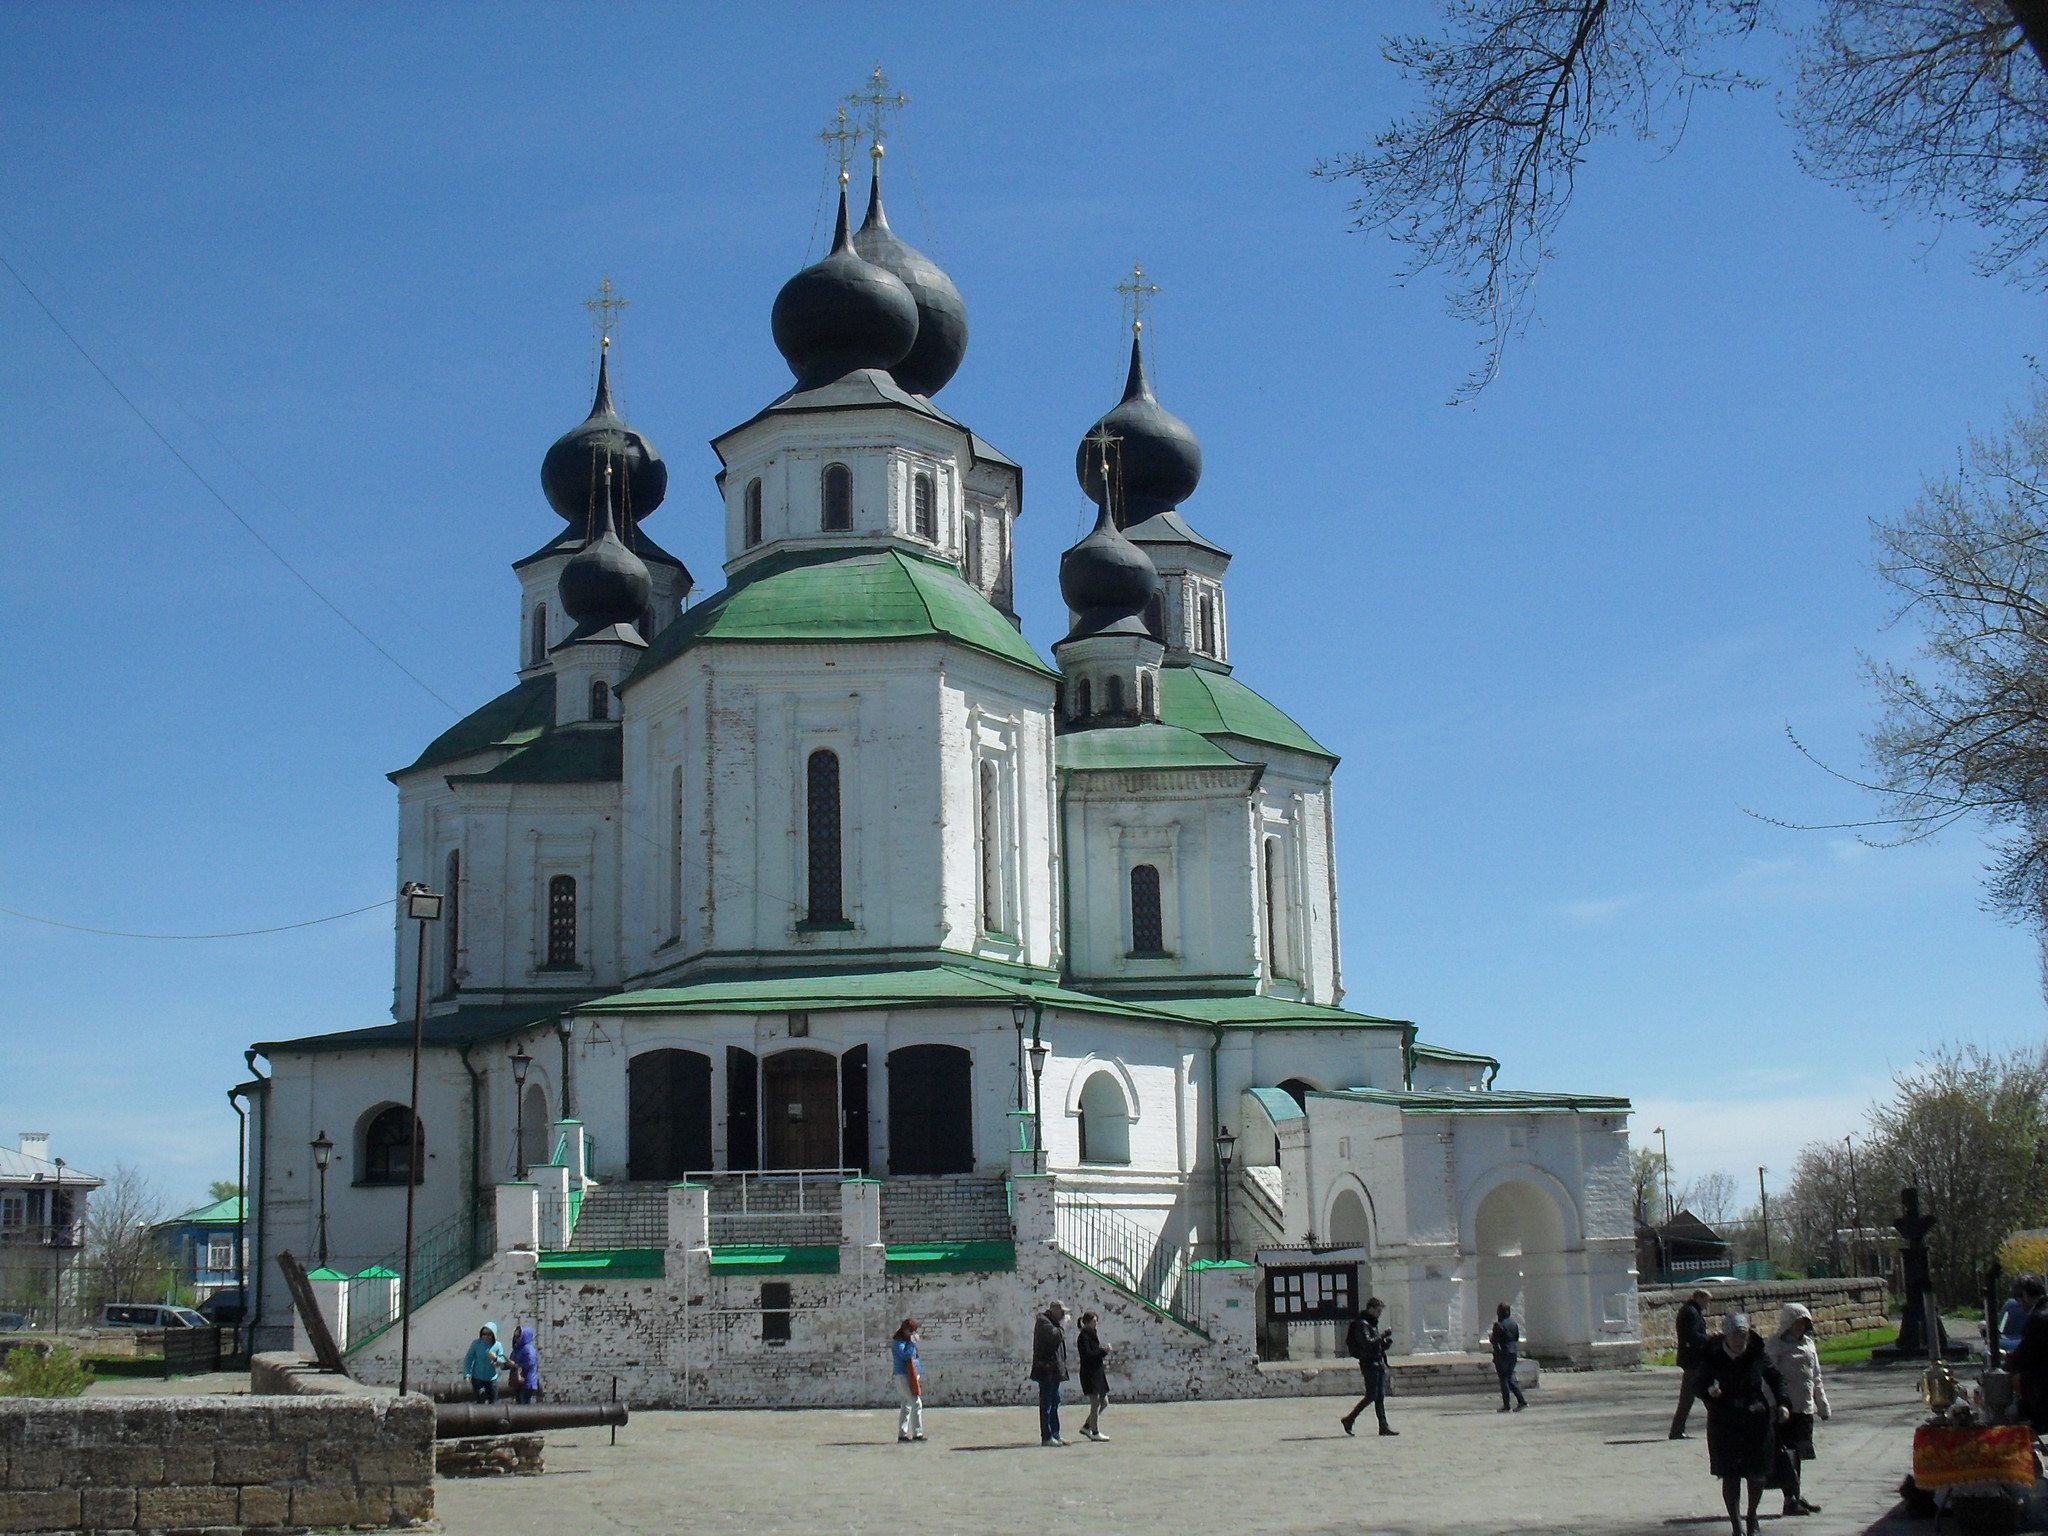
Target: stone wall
1838,1306
957,1209
186,1463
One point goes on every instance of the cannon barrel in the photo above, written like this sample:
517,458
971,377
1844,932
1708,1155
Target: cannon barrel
459,1421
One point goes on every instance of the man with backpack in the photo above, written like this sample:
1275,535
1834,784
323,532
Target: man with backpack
1506,1342
1367,1343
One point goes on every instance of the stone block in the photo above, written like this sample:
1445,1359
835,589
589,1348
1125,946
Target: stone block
188,1464
334,1463
260,1507
39,1510
412,1501
40,1467
107,1509
277,1462
159,1509
121,1466
394,1463
333,1506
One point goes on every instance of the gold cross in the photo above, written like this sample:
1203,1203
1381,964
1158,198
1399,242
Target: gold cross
877,104
1137,296
604,306
839,137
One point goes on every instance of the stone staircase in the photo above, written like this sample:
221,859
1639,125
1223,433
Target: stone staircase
779,1210
953,1208
622,1216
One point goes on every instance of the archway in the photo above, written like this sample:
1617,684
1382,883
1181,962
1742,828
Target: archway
1520,1235
668,1115
800,1110
1105,1120
931,1110
1349,1227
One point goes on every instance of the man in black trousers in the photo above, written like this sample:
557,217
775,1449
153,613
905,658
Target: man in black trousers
1692,1345
1368,1343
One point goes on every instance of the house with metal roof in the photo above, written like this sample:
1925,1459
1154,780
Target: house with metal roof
43,1227
832,881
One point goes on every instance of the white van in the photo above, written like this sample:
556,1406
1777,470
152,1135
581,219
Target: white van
143,1314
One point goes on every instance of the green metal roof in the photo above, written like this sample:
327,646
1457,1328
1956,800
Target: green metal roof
1217,704
1278,1104
1268,1013
466,1026
511,719
1139,746
808,596
584,755
1498,1100
221,1213
919,986
1445,1053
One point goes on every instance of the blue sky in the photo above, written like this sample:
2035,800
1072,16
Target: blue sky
338,254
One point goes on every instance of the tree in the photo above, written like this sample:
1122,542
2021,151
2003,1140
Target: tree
124,1260
1711,1197
1966,734
1816,1206
1648,1177
222,1189
1936,105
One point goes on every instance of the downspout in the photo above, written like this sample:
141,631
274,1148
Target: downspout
1215,1123
262,1086
241,1196
1409,1032
476,1154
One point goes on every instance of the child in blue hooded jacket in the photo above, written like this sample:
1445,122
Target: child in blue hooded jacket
525,1365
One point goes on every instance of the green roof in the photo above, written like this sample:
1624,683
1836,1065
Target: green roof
465,1026
220,1213
918,986
1278,1104
1139,746
808,596
771,1259
1257,1012
1494,1100
601,1264
583,755
1217,704
511,719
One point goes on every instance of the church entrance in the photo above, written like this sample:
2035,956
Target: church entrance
668,1115
1520,1236
931,1110
800,1110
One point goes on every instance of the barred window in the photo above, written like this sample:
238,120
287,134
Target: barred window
838,498
562,922
1206,610
1146,938
753,513
924,515
386,1157
827,903
991,852
600,699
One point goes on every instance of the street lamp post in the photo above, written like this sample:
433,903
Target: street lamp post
565,1030
1020,1010
57,1251
423,907
323,1149
1226,1154
1665,1168
1039,1051
521,1065
1763,1201
1855,1207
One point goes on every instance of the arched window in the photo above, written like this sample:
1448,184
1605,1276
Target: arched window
540,636
1297,1089
991,850
1205,610
1084,700
1148,702
924,514
562,923
1105,1121
1155,616
1113,696
1146,938
838,499
451,923
1270,875
752,532
387,1159
970,548
827,903
600,699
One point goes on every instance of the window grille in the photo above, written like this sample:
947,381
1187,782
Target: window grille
562,922
1146,937
827,902
991,853
924,515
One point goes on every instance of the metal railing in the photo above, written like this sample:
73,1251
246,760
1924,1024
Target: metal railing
1130,1257
779,1206
441,1255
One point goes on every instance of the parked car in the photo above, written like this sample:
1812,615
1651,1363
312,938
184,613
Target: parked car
12,1322
144,1314
225,1307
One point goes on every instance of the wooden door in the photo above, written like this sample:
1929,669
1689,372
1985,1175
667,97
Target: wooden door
668,1115
800,1110
931,1110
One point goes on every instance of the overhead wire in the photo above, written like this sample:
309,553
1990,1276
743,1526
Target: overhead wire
245,933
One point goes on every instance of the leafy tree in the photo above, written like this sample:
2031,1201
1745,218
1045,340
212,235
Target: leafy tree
1938,106
222,1189
33,1370
1647,1179
1817,1204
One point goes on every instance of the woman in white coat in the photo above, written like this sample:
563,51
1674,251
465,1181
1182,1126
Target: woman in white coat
1791,1350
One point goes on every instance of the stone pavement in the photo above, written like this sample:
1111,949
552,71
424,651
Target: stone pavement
1589,1457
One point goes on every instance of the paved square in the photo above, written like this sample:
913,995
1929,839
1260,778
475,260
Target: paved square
1590,1456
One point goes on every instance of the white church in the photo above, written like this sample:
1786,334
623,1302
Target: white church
820,951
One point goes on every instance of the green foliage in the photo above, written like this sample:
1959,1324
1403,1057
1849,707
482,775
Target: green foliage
223,1189
1853,1348
32,1372
2024,1253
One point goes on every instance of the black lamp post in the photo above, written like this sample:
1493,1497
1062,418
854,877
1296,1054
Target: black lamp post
423,907
1020,1010
1226,1154
566,1029
1039,1051
323,1149
521,1065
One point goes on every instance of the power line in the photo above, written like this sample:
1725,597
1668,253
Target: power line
228,506
246,933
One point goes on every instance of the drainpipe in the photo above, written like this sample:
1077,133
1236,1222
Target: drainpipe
241,1195
1215,1124
261,1085
476,1156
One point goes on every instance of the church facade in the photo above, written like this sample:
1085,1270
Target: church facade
826,915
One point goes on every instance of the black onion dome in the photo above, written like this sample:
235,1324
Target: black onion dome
1106,579
1159,460
842,314
573,468
941,313
604,582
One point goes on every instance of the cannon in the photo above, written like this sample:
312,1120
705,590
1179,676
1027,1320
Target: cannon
462,1421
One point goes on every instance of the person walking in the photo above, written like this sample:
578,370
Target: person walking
1796,1358
1367,1343
481,1364
1094,1373
525,1365
1745,1400
2028,1363
2012,1317
1506,1340
908,1382
1049,1369
1693,1338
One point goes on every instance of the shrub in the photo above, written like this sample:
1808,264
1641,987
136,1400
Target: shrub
32,1372
2024,1253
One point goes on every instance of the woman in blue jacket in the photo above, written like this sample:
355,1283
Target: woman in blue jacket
909,1384
482,1363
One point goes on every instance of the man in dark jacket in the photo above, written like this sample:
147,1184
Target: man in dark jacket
1506,1342
1049,1369
1367,1343
2029,1361
1693,1338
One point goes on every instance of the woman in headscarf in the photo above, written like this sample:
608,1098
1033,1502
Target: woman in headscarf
525,1365
1745,1403
1793,1354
